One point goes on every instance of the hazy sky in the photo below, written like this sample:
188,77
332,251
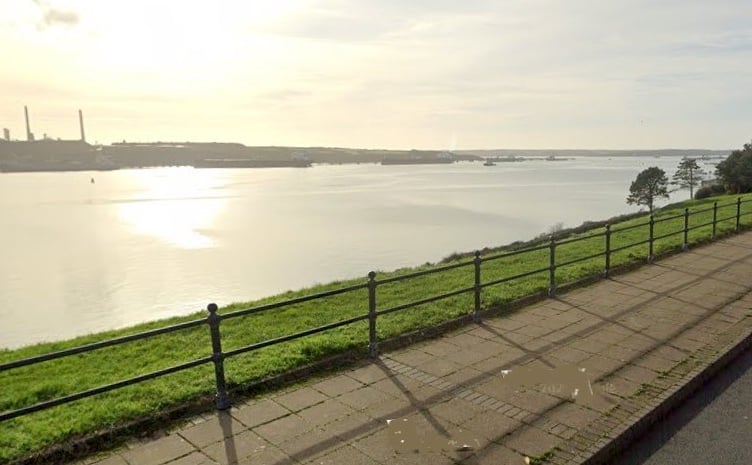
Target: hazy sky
383,73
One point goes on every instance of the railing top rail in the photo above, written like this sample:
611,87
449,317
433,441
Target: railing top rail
99,345
581,238
417,274
667,218
515,252
627,228
702,210
296,300
732,204
580,259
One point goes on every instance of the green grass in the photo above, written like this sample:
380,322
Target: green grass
29,385
542,459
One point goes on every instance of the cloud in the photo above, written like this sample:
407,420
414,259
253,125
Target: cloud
54,16
328,25
67,18
735,42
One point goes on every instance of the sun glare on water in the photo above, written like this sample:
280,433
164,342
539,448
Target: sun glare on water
175,205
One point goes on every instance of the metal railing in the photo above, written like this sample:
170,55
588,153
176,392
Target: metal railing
214,319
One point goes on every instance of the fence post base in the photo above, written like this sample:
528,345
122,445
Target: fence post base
373,341
223,400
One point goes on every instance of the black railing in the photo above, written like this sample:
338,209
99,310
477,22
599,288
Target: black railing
214,319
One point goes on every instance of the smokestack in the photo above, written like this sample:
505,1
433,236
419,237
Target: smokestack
81,123
6,133
29,135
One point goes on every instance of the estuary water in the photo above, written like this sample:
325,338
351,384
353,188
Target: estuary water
88,251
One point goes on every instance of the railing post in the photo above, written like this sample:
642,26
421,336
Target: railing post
223,400
373,348
738,212
608,251
476,263
552,268
686,229
715,218
650,239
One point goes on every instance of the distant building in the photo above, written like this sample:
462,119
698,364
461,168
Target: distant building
29,134
6,133
81,124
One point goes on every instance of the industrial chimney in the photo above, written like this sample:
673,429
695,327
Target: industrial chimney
29,134
6,134
81,123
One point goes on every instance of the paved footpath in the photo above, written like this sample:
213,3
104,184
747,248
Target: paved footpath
509,390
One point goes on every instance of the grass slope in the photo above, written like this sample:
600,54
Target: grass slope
29,385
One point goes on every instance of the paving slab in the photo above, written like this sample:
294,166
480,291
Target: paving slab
488,393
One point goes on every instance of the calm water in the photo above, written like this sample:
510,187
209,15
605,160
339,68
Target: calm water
138,245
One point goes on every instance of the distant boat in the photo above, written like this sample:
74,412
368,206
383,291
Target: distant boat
489,163
555,158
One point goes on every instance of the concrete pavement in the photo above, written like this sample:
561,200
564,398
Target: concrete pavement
714,426
564,381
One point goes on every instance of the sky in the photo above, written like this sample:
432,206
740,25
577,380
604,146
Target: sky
397,74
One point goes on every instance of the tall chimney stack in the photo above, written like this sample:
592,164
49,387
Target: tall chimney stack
29,136
81,123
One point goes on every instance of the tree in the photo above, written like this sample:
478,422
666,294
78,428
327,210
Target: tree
735,172
688,175
649,185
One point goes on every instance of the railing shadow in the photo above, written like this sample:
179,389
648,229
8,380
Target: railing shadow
228,438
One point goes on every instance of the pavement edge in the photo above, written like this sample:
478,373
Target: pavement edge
663,403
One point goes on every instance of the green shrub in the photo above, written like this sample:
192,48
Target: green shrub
709,191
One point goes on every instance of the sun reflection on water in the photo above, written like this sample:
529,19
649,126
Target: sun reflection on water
176,205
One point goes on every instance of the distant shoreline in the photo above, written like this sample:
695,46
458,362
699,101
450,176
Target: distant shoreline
49,155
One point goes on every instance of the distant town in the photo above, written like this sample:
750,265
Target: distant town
49,154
